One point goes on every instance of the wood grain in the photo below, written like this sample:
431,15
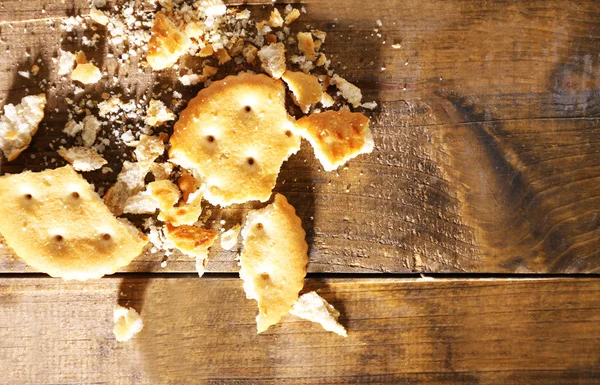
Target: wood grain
196,331
487,136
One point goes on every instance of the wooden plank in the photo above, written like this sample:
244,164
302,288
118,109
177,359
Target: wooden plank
494,331
487,137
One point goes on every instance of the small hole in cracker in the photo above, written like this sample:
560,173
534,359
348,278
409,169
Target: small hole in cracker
259,226
288,133
58,238
250,161
28,197
75,195
210,138
106,237
248,108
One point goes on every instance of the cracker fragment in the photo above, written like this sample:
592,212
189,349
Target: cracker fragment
273,260
19,123
250,53
57,224
91,126
230,237
149,149
66,60
235,135
192,241
292,16
98,16
86,73
305,88
306,45
82,158
157,113
127,323
275,19
314,308
166,44
349,91
272,59
336,136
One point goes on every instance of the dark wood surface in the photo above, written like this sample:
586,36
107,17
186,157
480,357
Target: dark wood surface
197,331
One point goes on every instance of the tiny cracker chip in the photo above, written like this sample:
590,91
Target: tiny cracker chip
57,224
19,123
127,323
82,158
336,136
235,135
314,308
272,59
306,45
192,241
305,88
166,44
273,261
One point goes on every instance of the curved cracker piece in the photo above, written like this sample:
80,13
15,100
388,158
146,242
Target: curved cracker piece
19,123
273,261
57,224
235,135
314,308
192,241
336,136
305,88
166,44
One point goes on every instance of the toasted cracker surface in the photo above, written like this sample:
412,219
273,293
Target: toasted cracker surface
56,223
273,261
336,136
167,43
235,134
305,88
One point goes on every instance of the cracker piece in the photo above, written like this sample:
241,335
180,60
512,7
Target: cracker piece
91,127
192,241
130,181
272,59
230,237
127,323
19,123
275,20
82,158
141,203
273,261
98,16
86,73
292,16
336,136
206,51
235,135
166,44
72,128
326,100
66,60
157,113
223,56
250,53
306,45
314,308
57,224
349,91
161,171
149,149
305,88
166,193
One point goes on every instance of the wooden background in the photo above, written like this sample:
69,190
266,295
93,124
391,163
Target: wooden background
487,164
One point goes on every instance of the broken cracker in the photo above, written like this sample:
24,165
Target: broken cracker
127,323
230,237
82,158
57,224
306,45
305,88
272,59
349,91
86,73
157,113
336,136
19,123
273,260
235,135
192,241
314,308
166,44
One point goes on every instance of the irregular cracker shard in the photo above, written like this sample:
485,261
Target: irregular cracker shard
65,62
86,73
149,149
305,88
336,136
272,59
127,323
192,241
349,91
236,133
98,16
91,126
19,123
166,44
130,181
314,308
157,113
306,45
273,261
82,158
230,237
57,224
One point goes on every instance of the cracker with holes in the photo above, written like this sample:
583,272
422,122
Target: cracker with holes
273,261
57,224
235,135
336,136
166,44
